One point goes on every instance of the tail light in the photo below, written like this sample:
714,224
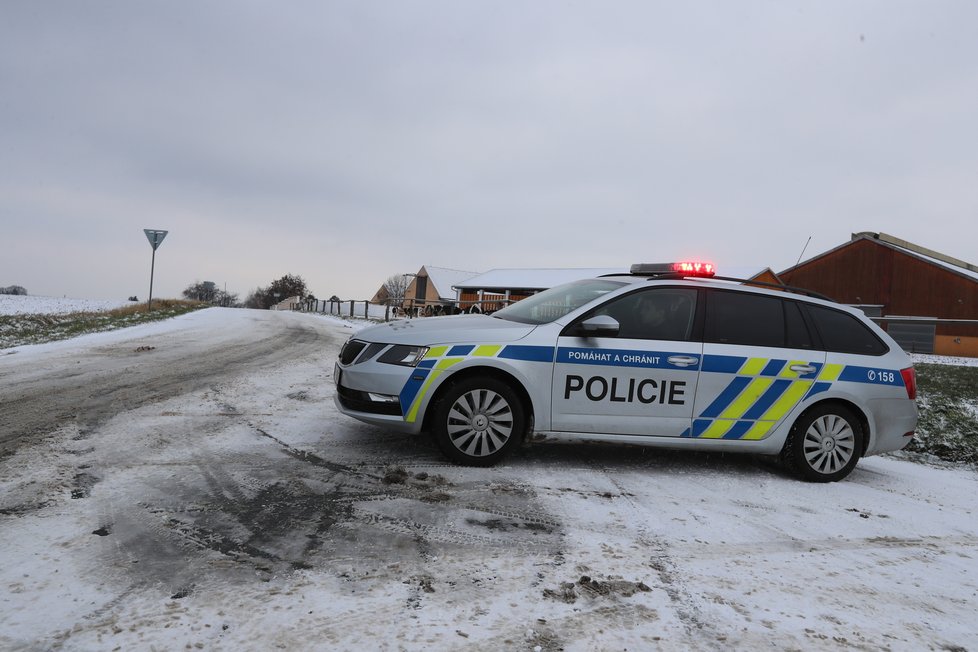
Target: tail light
910,382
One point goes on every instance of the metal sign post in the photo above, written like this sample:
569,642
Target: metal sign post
155,238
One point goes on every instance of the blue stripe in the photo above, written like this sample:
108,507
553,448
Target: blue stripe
873,375
738,430
818,388
461,349
767,399
700,426
528,353
723,364
624,358
427,364
773,367
726,397
412,387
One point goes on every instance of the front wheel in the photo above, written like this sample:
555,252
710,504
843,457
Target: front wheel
825,444
478,421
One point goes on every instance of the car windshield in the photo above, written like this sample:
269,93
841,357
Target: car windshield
552,304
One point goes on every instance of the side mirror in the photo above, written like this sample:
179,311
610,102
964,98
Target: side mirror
599,326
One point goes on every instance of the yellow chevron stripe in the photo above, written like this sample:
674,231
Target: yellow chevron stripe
747,398
831,372
788,400
753,366
717,429
439,368
436,352
758,430
487,350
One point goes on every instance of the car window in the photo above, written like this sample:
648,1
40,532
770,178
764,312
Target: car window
654,314
843,333
743,318
797,334
552,304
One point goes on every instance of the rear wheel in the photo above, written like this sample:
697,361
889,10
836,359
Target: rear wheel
478,421
825,444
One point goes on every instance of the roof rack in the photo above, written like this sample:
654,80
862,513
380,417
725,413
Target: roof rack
787,288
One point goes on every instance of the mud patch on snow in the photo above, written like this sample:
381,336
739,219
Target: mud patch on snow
569,592
82,486
510,525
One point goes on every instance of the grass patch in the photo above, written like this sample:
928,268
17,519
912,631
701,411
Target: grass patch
948,400
17,330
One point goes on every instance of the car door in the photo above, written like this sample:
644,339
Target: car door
759,362
638,381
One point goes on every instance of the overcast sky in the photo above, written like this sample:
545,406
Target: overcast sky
349,141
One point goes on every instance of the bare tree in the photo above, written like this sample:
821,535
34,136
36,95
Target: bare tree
396,287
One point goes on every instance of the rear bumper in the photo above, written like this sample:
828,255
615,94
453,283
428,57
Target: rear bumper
894,419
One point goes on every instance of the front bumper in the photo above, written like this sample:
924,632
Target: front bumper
372,392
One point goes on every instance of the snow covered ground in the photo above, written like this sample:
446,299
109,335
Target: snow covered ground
923,358
15,304
200,490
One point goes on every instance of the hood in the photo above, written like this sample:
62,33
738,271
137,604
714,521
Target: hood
445,330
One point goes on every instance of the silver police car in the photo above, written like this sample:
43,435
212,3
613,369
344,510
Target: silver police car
669,355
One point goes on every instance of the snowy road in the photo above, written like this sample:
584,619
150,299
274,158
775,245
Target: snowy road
191,484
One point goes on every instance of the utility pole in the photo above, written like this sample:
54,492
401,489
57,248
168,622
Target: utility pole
155,237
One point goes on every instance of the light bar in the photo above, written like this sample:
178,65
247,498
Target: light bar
686,268
695,269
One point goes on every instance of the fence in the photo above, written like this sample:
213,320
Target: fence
351,308
360,309
919,335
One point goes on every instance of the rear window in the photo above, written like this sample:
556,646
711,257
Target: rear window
756,320
843,333
742,318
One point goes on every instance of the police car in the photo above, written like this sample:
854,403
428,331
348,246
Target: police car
669,355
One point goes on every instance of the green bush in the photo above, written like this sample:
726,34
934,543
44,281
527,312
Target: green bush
17,330
948,400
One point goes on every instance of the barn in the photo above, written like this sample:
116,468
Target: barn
431,292
926,300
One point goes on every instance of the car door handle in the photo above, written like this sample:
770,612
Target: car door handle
802,369
682,360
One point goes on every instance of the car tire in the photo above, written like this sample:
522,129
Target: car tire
824,444
478,421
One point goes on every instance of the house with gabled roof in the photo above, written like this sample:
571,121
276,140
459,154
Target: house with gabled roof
431,291
926,300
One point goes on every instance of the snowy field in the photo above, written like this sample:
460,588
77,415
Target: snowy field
14,304
190,484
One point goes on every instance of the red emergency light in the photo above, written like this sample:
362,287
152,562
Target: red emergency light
685,268
695,269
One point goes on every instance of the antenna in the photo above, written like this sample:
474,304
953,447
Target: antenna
803,251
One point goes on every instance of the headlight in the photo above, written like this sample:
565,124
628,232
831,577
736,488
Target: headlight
409,356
